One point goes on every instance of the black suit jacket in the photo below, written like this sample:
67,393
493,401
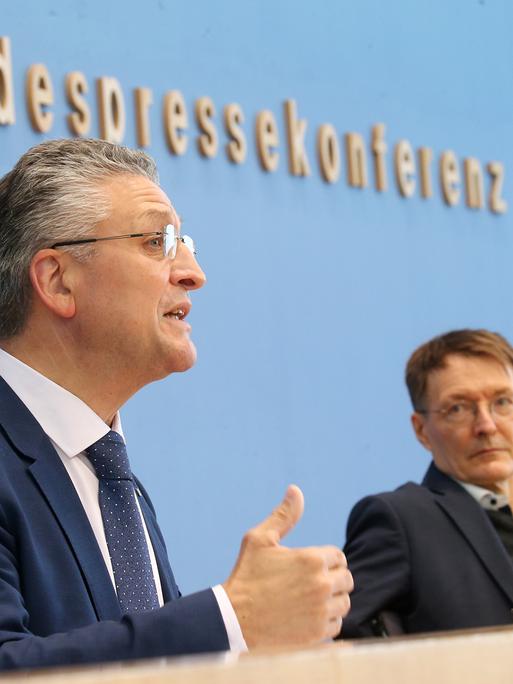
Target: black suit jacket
57,602
429,554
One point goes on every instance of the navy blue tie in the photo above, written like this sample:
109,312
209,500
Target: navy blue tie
122,523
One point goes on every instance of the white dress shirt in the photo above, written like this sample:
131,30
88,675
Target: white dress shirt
485,497
72,426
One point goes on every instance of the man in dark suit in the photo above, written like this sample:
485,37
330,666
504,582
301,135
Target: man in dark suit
438,556
94,294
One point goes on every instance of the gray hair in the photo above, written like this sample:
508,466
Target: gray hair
54,194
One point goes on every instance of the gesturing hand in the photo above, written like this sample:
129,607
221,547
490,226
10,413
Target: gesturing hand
285,596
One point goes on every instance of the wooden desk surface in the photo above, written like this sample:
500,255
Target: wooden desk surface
484,656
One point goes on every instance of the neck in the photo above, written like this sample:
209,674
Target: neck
75,369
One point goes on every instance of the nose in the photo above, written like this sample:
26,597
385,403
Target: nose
484,423
185,270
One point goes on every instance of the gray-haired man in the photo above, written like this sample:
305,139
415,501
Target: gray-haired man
94,284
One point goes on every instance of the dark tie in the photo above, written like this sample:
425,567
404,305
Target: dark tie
122,523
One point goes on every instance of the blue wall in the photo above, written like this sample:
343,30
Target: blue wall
317,293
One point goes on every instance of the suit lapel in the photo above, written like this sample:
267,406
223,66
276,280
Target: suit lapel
474,525
50,475
53,480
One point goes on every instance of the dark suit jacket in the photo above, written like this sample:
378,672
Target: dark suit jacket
430,554
57,602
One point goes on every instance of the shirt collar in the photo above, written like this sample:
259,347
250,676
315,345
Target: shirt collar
69,422
485,498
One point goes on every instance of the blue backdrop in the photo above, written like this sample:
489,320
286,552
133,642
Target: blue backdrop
317,293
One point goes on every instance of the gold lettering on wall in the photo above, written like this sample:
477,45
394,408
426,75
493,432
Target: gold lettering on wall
473,183
267,140
296,130
379,149
404,163
356,160
175,122
7,115
111,107
425,159
207,141
495,201
449,177
39,91
79,120
233,119
143,99
112,123
328,152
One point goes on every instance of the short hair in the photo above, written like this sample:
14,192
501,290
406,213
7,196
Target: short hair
432,356
54,194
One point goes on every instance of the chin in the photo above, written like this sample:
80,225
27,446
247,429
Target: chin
181,360
494,475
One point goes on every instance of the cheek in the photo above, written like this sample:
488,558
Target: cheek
457,441
507,434
450,444
435,437
121,298
136,297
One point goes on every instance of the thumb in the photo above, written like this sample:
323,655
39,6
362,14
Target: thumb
285,516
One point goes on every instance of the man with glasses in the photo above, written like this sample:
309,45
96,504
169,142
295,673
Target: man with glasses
438,556
95,278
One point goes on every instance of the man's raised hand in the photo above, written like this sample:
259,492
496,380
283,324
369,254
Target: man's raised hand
285,596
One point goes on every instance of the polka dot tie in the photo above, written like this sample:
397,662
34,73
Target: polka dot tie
122,523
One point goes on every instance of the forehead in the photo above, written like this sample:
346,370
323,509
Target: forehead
137,202
468,376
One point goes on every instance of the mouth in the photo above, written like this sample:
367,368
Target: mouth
489,450
179,312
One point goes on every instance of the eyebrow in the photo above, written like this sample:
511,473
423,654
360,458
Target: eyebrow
155,214
467,395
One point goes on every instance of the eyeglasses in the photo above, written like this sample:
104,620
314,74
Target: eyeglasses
464,412
166,240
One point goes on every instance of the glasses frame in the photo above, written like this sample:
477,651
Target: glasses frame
171,252
444,412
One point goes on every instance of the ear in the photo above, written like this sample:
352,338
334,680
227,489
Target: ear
418,422
51,277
